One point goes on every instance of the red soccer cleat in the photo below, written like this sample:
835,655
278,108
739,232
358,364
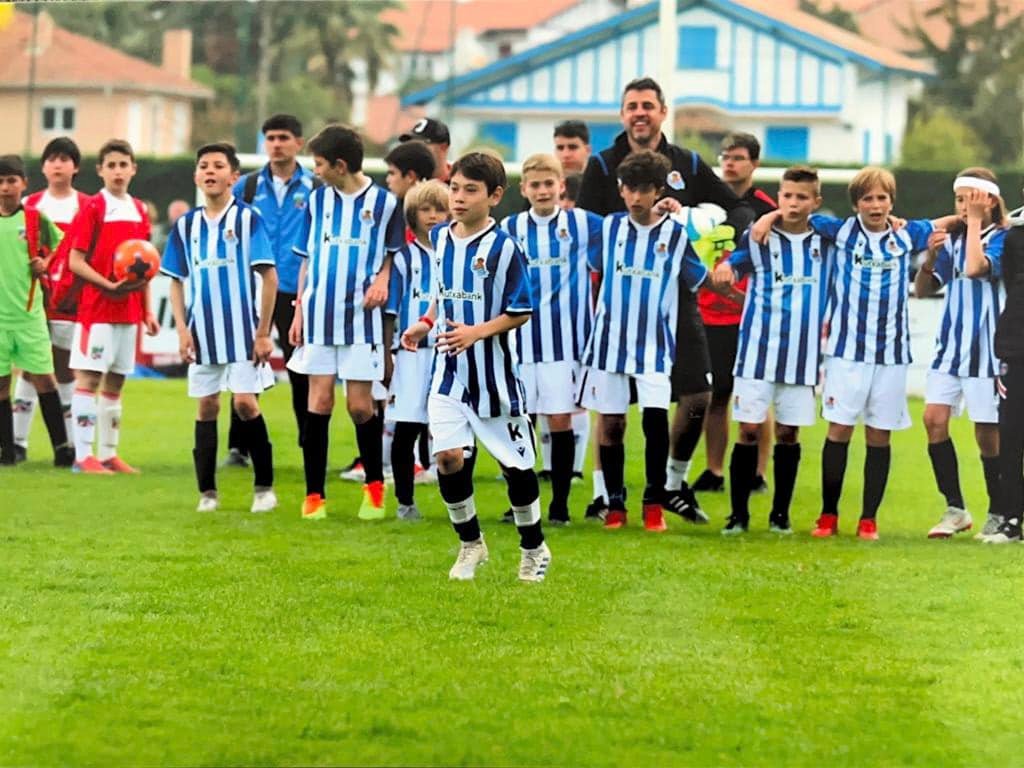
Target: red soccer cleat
654,518
616,518
827,525
120,466
867,529
314,507
90,465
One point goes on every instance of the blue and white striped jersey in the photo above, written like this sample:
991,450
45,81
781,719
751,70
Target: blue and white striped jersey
344,239
964,340
214,259
780,327
635,322
477,279
558,250
867,304
411,288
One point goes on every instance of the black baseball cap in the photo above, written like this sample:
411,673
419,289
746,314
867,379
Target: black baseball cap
429,130
12,165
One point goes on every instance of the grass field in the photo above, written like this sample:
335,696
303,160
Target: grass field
134,631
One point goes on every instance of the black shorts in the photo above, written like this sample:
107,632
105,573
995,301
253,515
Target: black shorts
691,372
723,341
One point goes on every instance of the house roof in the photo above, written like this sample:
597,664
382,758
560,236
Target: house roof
783,23
427,26
388,119
75,61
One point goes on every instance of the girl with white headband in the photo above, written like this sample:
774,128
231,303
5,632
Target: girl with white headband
967,262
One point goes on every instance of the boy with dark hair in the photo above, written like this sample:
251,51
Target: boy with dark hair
572,145
646,255
211,254
408,164
109,312
60,202
350,232
27,237
435,135
482,293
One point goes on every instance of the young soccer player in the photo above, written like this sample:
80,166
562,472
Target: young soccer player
351,230
409,298
408,164
223,326
109,312
26,239
60,202
572,145
645,256
482,294
558,246
967,262
778,344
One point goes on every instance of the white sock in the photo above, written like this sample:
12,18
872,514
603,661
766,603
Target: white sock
545,443
109,421
581,428
675,474
83,412
23,406
66,392
600,491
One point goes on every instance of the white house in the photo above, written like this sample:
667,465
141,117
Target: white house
807,89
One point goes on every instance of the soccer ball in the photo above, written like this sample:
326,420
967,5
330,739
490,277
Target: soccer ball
701,219
136,260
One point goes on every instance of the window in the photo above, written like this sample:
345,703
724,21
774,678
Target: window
698,47
503,134
602,135
58,117
786,142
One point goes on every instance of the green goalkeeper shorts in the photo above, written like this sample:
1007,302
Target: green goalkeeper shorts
27,348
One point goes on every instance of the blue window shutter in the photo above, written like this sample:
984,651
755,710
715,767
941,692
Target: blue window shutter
503,133
788,142
698,47
603,134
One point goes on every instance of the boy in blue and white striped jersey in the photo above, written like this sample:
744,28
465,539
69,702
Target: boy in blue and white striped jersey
482,295
779,346
409,297
968,261
223,326
558,245
351,230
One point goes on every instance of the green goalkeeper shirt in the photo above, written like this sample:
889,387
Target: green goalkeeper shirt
15,275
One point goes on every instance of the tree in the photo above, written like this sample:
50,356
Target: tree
835,15
938,141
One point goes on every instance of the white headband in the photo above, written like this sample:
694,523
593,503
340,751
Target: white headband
972,182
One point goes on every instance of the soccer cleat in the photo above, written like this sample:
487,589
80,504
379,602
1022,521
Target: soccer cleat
508,516
827,525
354,472
577,477
236,458
471,554
596,510
63,456
409,512
207,503
120,466
867,529
615,519
760,485
954,521
683,503
372,507
735,526
709,482
314,507
533,565
263,501
654,518
423,476
1008,532
90,465
991,526
21,454
558,517
779,524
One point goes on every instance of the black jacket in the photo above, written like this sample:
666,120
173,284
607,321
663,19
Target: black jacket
1009,340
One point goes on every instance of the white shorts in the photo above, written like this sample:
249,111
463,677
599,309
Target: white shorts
107,347
979,395
62,333
352,362
878,393
794,403
550,387
453,424
410,386
611,393
238,378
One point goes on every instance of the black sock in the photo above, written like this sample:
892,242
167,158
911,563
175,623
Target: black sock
424,446
402,461
524,492
314,452
204,455
990,466
530,536
655,426
370,439
947,472
563,457
786,461
455,488
686,443
876,475
613,459
236,434
261,451
833,468
53,417
742,471
300,400
6,432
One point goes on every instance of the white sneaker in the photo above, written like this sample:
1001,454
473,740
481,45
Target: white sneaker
954,521
424,476
533,566
471,554
409,512
207,503
992,523
263,501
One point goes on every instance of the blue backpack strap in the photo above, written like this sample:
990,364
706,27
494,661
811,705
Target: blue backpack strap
696,161
604,165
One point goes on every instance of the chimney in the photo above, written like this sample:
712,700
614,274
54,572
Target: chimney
177,53
43,32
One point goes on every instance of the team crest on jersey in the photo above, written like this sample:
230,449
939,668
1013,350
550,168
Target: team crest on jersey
816,254
563,235
675,180
366,216
480,267
892,245
22,235
299,200
229,236
661,247
96,353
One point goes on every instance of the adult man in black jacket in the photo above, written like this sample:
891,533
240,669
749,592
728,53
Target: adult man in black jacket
690,183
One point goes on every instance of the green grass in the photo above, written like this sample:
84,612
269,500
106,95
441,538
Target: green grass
136,631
